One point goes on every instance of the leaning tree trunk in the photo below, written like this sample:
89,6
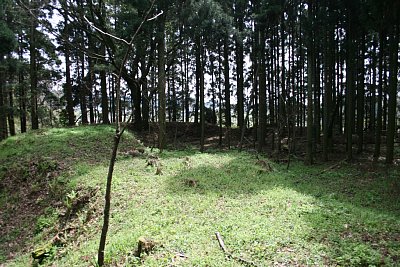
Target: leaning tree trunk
117,138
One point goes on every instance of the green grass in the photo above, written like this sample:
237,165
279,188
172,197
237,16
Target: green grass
348,216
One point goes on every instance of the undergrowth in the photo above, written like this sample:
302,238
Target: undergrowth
347,216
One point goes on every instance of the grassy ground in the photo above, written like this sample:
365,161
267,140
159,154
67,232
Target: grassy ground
348,215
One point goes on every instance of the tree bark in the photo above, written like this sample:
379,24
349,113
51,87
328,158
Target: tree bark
198,74
104,97
350,83
10,113
391,129
33,76
227,92
22,89
262,92
83,91
3,104
68,88
328,78
161,83
310,88
239,63
360,98
378,129
202,107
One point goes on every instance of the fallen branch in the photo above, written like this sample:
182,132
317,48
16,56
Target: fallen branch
230,255
332,167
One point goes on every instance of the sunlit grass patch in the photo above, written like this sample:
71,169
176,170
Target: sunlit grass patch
301,216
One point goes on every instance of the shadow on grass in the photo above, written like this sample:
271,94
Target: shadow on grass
376,188
355,219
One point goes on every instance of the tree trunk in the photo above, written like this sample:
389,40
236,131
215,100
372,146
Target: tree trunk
202,107
350,83
220,106
378,129
107,206
112,97
137,99
68,88
198,74
213,93
161,83
117,138
262,92
310,88
328,71
33,76
104,97
103,92
283,96
393,64
186,88
3,104
145,104
360,98
372,118
83,91
22,90
11,122
239,64
173,92
90,82
255,67
227,92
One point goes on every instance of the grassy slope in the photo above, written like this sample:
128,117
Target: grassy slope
347,216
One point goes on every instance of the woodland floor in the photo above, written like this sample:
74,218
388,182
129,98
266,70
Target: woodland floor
332,214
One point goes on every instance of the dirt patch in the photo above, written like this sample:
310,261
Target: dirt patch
181,135
28,188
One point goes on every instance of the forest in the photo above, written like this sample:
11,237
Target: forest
278,113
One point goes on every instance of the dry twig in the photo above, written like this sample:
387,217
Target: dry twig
230,255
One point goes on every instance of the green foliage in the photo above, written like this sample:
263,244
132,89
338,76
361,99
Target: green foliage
70,198
208,18
7,39
43,254
48,219
356,254
63,118
46,165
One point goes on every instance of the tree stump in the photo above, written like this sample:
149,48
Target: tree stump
145,245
